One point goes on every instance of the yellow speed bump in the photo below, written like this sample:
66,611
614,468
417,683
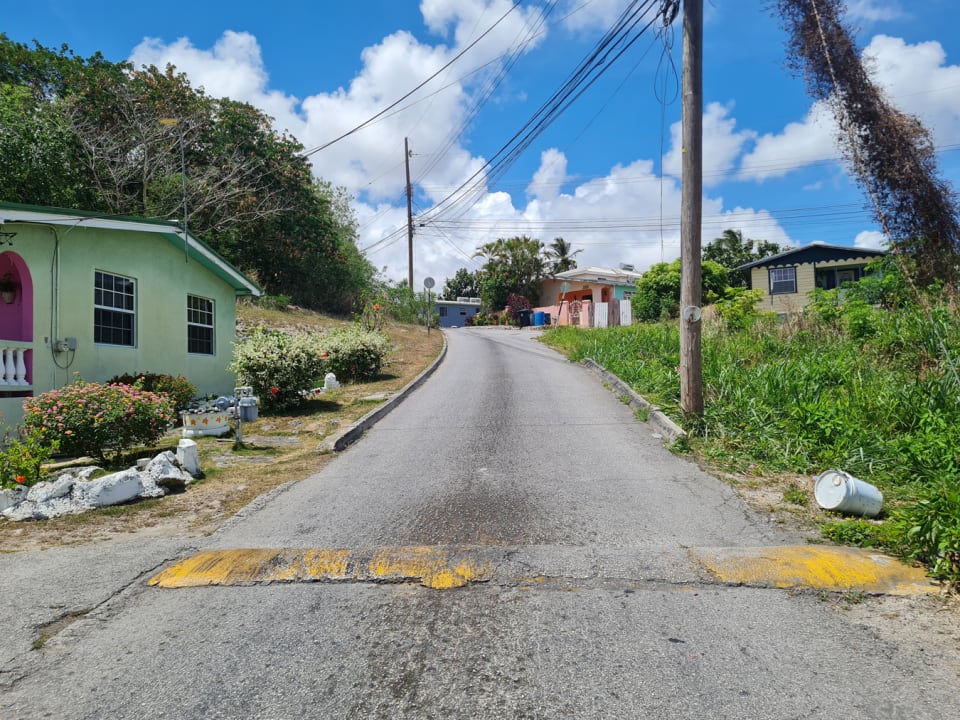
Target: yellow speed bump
816,567
438,568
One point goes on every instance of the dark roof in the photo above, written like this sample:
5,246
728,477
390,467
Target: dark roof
817,252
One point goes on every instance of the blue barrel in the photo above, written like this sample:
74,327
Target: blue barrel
538,317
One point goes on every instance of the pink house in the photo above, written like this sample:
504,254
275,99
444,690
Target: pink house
589,296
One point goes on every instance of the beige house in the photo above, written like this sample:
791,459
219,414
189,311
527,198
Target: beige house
787,279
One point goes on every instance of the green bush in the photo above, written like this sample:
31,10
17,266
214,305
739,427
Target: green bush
930,530
94,419
22,458
738,307
356,354
180,390
280,366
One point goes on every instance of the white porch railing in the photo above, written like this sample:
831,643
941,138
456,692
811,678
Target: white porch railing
13,366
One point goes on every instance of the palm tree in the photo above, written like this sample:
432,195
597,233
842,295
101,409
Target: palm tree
561,257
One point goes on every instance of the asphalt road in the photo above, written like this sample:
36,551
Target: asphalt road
572,532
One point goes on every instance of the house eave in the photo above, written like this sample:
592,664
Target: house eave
196,249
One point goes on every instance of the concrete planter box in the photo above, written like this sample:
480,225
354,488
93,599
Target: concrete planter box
208,422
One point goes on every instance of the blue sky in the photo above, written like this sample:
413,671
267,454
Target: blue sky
604,175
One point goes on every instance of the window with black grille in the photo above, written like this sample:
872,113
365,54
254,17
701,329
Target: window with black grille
114,309
199,325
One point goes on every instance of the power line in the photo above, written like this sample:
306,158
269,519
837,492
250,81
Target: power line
613,44
389,107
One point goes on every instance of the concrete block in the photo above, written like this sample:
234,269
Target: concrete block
188,456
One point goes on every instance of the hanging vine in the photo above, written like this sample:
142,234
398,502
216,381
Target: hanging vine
890,153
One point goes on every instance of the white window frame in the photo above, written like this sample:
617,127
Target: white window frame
195,318
116,302
783,277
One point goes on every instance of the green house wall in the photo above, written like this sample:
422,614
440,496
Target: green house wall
56,266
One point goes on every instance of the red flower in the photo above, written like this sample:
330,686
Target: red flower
274,390
20,479
324,355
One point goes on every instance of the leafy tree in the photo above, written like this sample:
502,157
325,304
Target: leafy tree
36,148
658,291
560,256
87,133
731,250
463,284
515,265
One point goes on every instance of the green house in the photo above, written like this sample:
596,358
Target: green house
93,296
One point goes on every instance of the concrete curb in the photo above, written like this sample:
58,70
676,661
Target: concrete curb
346,437
667,427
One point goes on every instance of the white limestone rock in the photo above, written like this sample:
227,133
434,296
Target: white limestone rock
51,489
112,489
12,496
165,474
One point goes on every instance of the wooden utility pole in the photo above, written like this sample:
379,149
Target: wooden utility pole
406,162
691,210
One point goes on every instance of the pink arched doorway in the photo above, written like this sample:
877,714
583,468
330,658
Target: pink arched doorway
16,325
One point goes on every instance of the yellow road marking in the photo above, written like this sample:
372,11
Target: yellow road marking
436,568
818,567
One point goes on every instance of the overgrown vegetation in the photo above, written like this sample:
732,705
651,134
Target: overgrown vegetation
865,380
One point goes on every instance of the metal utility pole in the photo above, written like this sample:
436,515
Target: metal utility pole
406,162
691,210
175,122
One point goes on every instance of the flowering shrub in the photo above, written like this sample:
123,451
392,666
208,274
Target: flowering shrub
94,419
356,354
178,388
22,457
279,366
282,366
515,303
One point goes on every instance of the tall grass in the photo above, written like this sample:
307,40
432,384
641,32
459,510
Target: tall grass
869,390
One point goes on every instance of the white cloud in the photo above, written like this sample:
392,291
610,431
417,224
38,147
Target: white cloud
874,10
722,145
871,240
550,176
232,68
597,15
918,80
799,144
629,215
915,77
